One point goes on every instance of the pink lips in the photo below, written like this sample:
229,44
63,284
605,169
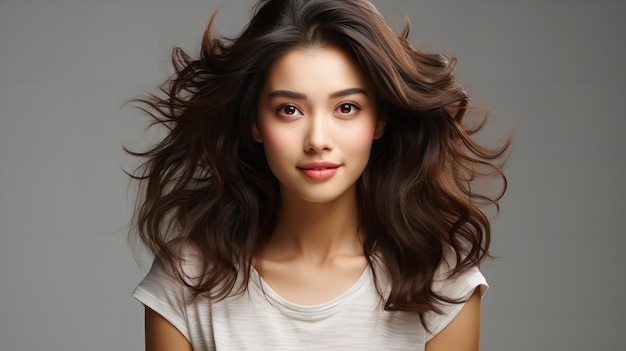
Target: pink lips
319,170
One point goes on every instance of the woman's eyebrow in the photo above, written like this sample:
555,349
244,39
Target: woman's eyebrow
287,94
346,92
299,96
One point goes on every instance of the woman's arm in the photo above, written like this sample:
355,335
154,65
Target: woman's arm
161,335
463,333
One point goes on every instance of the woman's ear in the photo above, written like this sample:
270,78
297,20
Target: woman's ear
380,128
256,133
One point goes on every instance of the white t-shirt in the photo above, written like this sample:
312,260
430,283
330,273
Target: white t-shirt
260,319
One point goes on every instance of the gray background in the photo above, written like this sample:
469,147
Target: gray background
552,71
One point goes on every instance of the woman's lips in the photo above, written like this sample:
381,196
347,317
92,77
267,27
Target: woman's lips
318,170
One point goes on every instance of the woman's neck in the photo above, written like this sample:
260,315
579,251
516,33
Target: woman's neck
316,232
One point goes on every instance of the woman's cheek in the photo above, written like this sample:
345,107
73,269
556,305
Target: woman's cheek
277,143
360,140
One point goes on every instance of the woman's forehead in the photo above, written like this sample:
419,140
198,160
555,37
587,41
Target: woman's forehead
309,69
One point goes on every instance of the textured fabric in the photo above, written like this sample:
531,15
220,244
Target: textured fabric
261,320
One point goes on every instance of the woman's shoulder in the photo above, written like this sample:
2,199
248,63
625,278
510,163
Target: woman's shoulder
164,290
457,285
447,282
181,263
185,261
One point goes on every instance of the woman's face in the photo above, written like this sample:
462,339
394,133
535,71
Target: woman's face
317,121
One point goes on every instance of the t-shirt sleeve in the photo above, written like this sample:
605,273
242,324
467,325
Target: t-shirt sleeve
165,295
459,287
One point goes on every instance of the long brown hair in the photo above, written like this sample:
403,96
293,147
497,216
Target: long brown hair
208,182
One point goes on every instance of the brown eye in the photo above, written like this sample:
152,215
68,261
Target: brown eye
347,109
288,110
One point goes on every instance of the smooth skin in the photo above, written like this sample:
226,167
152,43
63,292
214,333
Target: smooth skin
323,113
161,335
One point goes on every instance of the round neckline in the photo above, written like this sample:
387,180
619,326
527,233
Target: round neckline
321,308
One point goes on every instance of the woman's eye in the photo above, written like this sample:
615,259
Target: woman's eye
289,110
347,108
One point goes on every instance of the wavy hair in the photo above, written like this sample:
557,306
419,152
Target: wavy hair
207,181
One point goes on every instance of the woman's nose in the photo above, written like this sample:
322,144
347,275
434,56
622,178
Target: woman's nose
318,136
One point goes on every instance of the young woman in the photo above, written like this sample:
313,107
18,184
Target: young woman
314,191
